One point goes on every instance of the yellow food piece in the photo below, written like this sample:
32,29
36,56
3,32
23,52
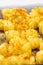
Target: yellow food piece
41,27
23,59
32,23
17,40
12,50
16,44
1,25
22,34
41,45
10,34
8,25
3,49
39,57
14,11
34,42
18,16
34,12
2,60
31,32
36,15
12,60
26,49
32,60
17,60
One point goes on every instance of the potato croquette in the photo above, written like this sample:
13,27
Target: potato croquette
41,46
34,42
39,57
9,12
3,49
36,15
16,44
18,16
10,34
26,48
2,59
31,32
12,60
8,25
12,50
32,60
1,25
33,23
17,40
41,27
23,59
6,13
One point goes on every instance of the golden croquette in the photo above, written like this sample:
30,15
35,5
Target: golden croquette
10,34
12,60
26,49
32,60
23,59
3,49
2,59
41,27
18,16
31,32
8,25
39,57
34,42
